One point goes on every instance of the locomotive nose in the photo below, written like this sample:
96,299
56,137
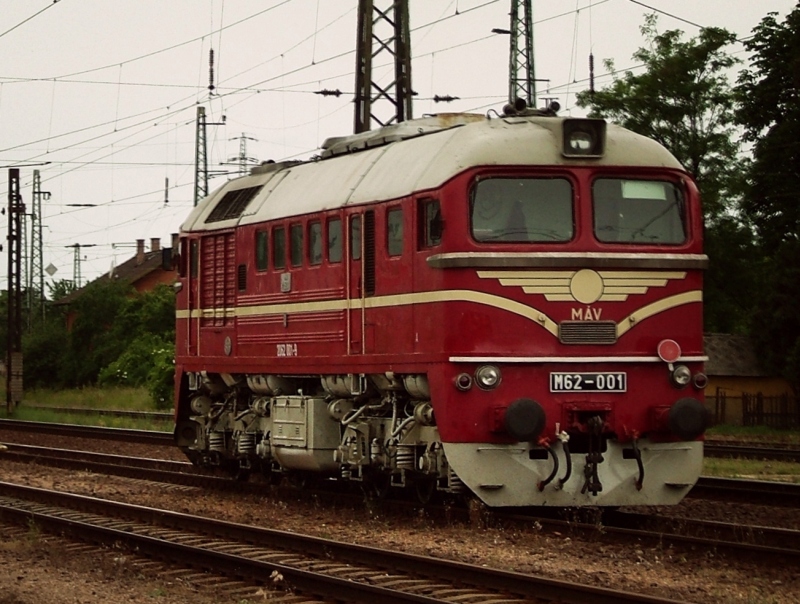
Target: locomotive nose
524,419
688,418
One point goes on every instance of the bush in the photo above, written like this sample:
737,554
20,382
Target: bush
161,377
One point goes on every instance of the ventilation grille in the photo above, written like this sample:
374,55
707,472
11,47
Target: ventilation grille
369,253
587,332
241,277
233,204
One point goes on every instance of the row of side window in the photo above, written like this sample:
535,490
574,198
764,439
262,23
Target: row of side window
316,237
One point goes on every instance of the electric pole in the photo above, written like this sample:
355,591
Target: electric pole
36,272
200,157
383,29
242,159
521,72
76,263
16,210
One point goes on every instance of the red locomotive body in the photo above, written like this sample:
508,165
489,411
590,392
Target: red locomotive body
509,306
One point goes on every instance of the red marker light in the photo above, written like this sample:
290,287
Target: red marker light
669,351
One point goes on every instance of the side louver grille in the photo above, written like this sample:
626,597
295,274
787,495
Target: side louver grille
587,332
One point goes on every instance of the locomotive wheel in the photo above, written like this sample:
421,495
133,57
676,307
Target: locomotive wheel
425,488
378,486
274,478
241,473
298,480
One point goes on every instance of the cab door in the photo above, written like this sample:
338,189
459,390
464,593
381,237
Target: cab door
360,276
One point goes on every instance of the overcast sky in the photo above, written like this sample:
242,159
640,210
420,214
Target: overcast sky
106,91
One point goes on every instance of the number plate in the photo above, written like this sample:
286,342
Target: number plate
589,382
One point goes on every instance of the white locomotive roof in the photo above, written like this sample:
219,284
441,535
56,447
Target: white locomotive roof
413,156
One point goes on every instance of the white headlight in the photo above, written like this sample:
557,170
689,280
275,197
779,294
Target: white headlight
681,376
487,376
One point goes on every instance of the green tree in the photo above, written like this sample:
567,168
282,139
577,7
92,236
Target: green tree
60,289
683,100
93,340
769,111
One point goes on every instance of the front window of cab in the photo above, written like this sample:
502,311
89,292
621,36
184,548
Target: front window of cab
638,211
522,210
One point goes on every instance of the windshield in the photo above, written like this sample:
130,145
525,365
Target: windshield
522,210
638,211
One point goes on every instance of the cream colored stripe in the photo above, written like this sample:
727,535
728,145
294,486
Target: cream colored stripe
476,297
533,274
657,307
464,295
642,274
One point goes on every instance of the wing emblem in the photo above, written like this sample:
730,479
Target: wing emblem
585,286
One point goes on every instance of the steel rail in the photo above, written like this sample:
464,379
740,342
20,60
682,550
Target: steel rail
707,487
785,494
150,437
750,451
156,415
503,582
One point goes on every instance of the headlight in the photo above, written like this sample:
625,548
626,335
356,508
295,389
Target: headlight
463,381
681,376
584,137
700,380
487,376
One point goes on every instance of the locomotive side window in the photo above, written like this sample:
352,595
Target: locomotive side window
279,248
296,234
638,211
315,243
522,210
262,245
430,223
355,238
334,240
394,231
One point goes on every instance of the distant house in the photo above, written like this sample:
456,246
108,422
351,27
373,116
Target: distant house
739,390
144,271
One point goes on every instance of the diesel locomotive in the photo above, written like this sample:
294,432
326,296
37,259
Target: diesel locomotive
508,305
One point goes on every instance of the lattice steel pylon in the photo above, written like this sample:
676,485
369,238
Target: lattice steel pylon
383,30
521,72
200,158
16,210
35,281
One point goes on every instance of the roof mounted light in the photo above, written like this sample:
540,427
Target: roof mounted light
584,137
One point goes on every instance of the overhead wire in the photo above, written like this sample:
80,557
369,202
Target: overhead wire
253,87
33,16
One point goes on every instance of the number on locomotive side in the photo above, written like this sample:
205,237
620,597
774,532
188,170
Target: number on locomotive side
569,382
287,350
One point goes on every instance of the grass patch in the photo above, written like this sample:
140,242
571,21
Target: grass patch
128,399
752,469
101,399
105,421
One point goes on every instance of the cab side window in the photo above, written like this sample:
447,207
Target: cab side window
315,243
279,248
430,223
296,234
394,232
355,238
262,255
334,240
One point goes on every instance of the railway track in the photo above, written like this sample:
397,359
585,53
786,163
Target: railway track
148,437
755,541
312,565
740,450
724,489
